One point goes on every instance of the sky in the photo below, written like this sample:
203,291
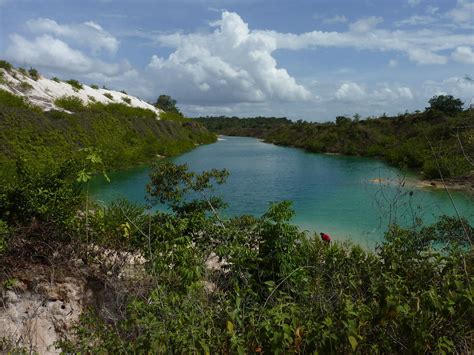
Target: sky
302,59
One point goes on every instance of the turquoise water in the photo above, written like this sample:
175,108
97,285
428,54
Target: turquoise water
333,194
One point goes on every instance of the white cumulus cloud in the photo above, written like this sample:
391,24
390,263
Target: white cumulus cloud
350,91
231,64
463,12
463,54
365,24
47,51
88,34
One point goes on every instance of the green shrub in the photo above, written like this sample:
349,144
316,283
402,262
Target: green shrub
93,86
123,92
8,99
172,116
280,291
22,71
75,84
50,197
2,78
56,79
34,74
3,235
70,103
127,100
6,65
109,96
91,98
24,86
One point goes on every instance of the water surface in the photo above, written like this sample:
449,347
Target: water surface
333,194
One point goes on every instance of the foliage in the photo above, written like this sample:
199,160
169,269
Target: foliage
126,100
166,103
427,141
70,103
109,96
277,290
172,116
93,86
47,197
10,100
24,86
127,136
22,71
446,104
56,79
34,74
6,65
3,236
75,84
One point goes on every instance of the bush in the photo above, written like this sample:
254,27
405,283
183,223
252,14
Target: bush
109,96
75,84
446,104
34,74
6,65
24,87
56,79
23,71
279,291
127,100
70,103
50,197
93,86
8,99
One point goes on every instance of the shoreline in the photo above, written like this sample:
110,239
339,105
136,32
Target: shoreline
463,183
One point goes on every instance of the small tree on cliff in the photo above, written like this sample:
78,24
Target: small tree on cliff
166,103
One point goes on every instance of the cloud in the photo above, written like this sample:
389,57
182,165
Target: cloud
393,63
350,92
416,20
50,52
88,34
232,64
456,86
463,12
414,2
381,95
464,55
365,24
335,19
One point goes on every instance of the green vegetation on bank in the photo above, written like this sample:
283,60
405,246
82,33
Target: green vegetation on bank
241,285
441,136
127,136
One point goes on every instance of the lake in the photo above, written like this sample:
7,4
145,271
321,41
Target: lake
350,198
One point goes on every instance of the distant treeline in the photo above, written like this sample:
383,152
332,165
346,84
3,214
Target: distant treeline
431,141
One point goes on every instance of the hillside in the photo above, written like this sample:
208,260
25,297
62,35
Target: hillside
45,136
43,92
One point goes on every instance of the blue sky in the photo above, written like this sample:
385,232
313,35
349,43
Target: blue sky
301,59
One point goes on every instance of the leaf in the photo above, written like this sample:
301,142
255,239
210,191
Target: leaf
353,342
230,326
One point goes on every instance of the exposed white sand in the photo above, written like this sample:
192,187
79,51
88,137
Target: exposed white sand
45,91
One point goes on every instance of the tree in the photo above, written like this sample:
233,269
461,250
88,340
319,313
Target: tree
166,103
342,120
446,103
